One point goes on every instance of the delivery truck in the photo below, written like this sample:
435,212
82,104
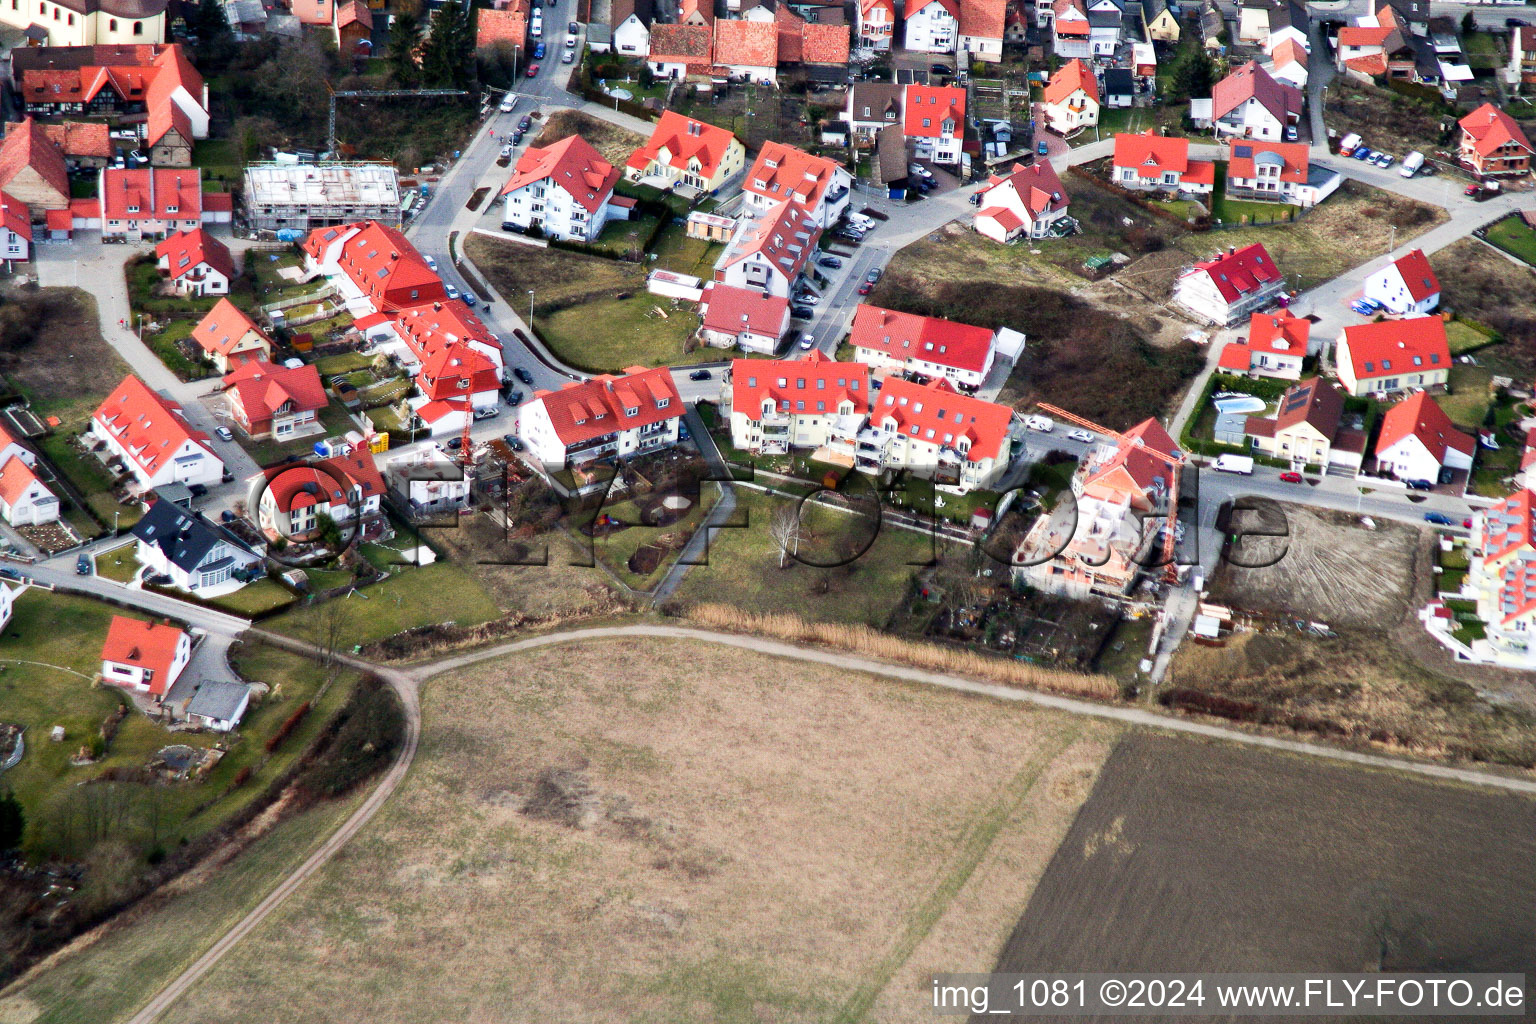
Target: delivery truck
1241,464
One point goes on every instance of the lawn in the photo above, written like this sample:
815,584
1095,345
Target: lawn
118,564
1463,337
220,163
607,335
1514,236
1466,401
1237,211
894,840
615,549
442,592
675,251
264,595
1485,51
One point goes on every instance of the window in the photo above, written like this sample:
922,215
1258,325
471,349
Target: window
800,406
138,28
112,25
631,412
463,384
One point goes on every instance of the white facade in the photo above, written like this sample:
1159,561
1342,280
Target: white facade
1410,459
1387,287
214,571
556,212
191,463
537,431
14,246
140,679
632,37
1198,293
30,504
1251,120
933,29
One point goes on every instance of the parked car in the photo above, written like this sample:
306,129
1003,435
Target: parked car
227,516
431,264
568,57
1081,435
802,312
1439,519
573,28
975,199
1290,133
1290,478
1382,160
700,375
538,51
1362,153
455,443
1420,485
517,137
1042,424
450,291
873,277
523,375
807,299
1515,22
525,123
941,69
83,566
506,151
831,262
514,397
866,288
1362,307
223,433
508,102
1041,149
198,490
807,343
533,70
570,42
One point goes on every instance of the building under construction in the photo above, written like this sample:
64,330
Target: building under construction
282,196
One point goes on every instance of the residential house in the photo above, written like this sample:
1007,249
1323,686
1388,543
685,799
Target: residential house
885,339
1119,88
1418,440
1160,22
1521,71
933,431
150,202
935,121
1501,576
1309,429
24,499
877,23
230,338
1406,286
280,402
981,29
32,168
630,21
1288,63
684,151
427,483
1213,28
564,190
353,29
1265,23
1492,144
111,81
218,704
373,267
873,106
748,49
1275,346
1070,101
297,500
504,27
824,50
145,657
743,318
606,416
822,186
7,604
83,143
697,13
1228,287
1251,104
196,553
1030,202
770,250
1070,28
1278,172
1120,493
1393,355
151,438
455,380
305,196
196,262
1410,17
1105,27
1149,163
1370,49
775,405
87,22
933,26
678,51
15,229
168,135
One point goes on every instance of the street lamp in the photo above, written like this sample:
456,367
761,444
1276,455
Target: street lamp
530,309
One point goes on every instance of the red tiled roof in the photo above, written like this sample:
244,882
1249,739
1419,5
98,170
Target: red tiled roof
1038,187
742,43
571,164
446,367
332,479
144,645
61,220
1289,51
904,336
586,409
187,250
14,216
15,477
1370,64
509,25
684,139
825,44
218,202
791,30
731,310
935,104
784,172
261,388
1422,417
692,45
164,118
1490,128
29,146
1278,333
1394,347
354,11
1311,401
951,6
1005,217
1235,357
1070,77
1418,277
816,378
937,414
149,427
1292,156
384,265
75,138
785,234
1252,82
1132,453
85,209
173,70
983,18
222,328
1151,155
153,191
1364,35
1236,274
429,326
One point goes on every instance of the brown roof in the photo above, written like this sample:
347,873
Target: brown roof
509,25
75,138
747,44
29,146
681,44
983,18
825,44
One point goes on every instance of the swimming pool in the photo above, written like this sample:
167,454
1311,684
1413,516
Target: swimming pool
1239,403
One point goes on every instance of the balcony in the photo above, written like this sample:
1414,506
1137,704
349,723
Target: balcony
594,446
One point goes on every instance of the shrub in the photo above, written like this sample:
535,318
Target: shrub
242,776
372,728
291,723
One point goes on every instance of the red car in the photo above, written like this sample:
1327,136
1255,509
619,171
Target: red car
1290,478
533,70
865,288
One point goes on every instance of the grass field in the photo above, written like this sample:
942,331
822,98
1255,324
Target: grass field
675,251
1342,870
1463,337
1516,237
1466,400
118,564
685,895
441,592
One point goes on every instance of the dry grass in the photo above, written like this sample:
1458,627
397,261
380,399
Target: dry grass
721,836
612,142
873,643
558,278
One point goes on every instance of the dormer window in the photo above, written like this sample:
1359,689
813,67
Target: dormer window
631,412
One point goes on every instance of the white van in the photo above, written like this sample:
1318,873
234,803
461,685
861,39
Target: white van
1240,464
1411,164
1349,144
508,102
1040,424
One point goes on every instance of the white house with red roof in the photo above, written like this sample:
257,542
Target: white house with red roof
15,229
451,375
1070,101
1418,439
152,202
152,440
907,343
823,186
281,402
747,48
1278,172
1501,579
564,190
959,442
1275,346
935,121
1393,355
296,499
682,150
769,251
605,417
145,657
803,403
1251,104
1148,163
229,338
1492,144
1230,286
933,26
1406,286
24,499
1028,203
375,269
196,263
743,318
1071,29
877,22
982,23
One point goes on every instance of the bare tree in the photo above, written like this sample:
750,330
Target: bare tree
331,623
784,528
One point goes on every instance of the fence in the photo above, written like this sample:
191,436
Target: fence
291,301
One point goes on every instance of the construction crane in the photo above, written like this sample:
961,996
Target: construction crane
330,132
1175,464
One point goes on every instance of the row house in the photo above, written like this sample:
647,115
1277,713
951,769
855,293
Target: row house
982,29
1407,286
1105,28
111,80
630,22
1276,346
604,417
1289,63
1492,144
933,431
152,439
565,191
776,405
682,150
1028,203
877,24
280,402
885,339
1266,23
935,121
770,250
1393,355
24,499
932,26
1278,172
1309,429
823,187
1071,30
1160,22
85,144
196,263
873,106
1229,287
153,202
678,51
1150,163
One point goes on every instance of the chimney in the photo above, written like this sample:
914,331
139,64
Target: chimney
1231,250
